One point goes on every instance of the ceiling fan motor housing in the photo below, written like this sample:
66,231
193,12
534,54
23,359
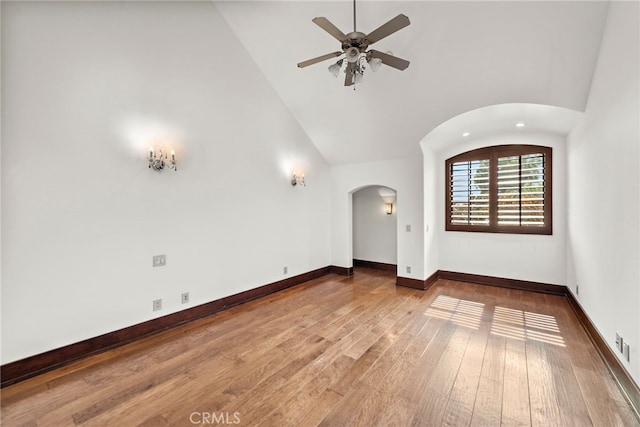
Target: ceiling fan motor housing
355,39
353,45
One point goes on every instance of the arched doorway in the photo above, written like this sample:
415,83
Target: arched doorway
374,228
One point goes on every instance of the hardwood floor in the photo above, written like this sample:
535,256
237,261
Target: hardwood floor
342,351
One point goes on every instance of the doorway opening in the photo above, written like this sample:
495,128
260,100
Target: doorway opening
374,228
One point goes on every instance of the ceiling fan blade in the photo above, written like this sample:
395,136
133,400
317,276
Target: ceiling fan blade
395,24
390,60
349,78
326,25
318,59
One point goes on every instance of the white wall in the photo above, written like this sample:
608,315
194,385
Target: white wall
432,209
375,231
87,88
515,256
404,176
604,188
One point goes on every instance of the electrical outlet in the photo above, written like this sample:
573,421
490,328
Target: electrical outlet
157,304
285,270
159,260
408,269
625,351
185,297
408,227
619,342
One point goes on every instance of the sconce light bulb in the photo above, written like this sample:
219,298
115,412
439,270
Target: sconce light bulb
157,160
297,179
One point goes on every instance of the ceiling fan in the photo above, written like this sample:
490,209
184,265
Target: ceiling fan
355,45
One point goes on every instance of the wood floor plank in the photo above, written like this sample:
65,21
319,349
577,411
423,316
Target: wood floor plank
542,391
515,394
435,397
354,408
413,374
403,336
601,407
344,351
298,396
459,408
313,415
487,408
267,395
569,397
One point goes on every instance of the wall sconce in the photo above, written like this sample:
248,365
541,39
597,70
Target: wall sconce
158,160
388,208
297,179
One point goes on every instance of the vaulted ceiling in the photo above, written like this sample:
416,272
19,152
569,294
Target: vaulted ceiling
464,56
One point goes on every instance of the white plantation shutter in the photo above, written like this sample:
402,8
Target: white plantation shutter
503,189
469,192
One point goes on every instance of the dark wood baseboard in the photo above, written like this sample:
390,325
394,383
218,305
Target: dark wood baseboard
343,271
418,284
504,283
20,370
625,383
429,281
407,282
375,265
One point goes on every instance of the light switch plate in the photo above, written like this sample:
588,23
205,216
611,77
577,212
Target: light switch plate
625,351
159,260
618,342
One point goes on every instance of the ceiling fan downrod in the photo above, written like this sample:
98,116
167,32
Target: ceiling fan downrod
354,16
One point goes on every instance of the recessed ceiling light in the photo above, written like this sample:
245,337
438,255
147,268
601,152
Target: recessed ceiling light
466,134
520,125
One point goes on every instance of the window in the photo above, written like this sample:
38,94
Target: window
500,189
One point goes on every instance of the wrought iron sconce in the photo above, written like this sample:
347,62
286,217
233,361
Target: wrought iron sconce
297,179
158,160
388,208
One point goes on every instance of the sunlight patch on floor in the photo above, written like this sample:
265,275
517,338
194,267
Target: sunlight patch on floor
461,312
523,325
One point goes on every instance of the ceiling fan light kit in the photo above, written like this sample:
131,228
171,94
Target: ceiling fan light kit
354,48
335,68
